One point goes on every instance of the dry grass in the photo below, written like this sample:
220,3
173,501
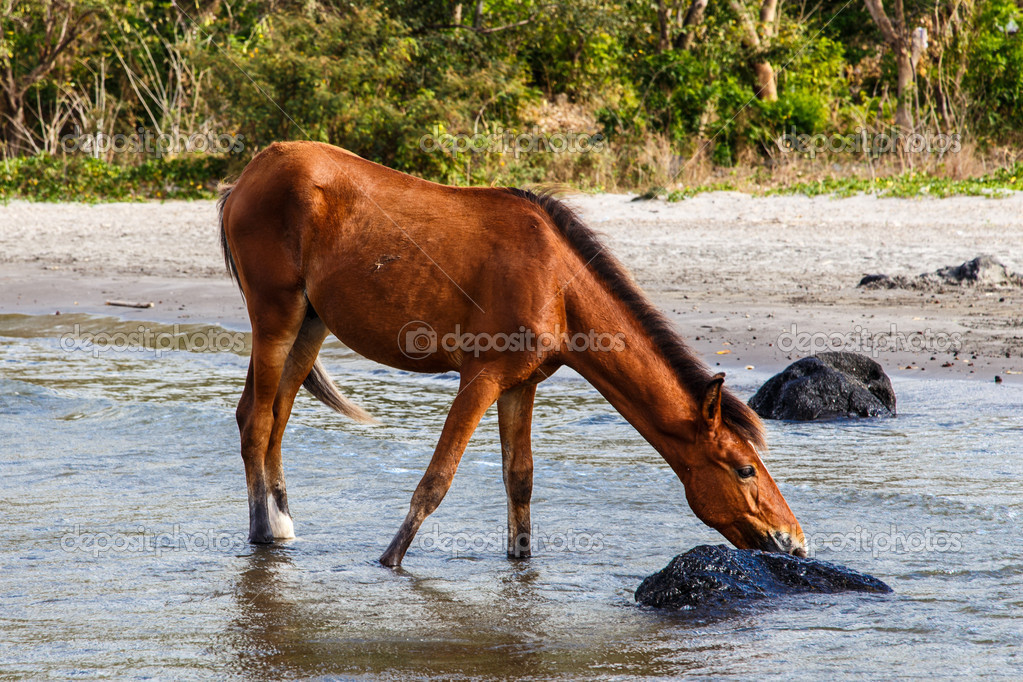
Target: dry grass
650,163
753,175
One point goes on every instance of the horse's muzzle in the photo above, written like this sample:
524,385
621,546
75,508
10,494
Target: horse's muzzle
779,541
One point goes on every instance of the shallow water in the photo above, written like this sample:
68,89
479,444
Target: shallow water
123,548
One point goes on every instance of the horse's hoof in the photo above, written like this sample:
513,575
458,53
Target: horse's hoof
390,561
261,538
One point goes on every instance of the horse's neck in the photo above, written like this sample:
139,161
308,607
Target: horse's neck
633,375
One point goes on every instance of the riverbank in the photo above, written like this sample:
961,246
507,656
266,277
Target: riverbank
750,281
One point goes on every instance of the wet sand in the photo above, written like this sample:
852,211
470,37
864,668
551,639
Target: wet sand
749,281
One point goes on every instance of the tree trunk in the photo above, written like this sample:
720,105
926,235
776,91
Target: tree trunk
14,127
901,42
663,42
767,84
768,13
904,89
693,18
477,19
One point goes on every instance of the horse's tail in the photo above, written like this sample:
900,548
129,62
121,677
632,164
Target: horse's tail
318,382
322,386
232,269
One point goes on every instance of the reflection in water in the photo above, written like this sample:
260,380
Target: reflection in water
110,442
283,627
271,629
421,625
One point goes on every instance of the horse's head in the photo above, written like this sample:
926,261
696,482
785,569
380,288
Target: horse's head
729,489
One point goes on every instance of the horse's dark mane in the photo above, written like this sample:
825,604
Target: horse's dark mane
692,373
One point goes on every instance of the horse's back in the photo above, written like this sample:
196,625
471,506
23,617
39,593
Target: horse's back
316,185
374,249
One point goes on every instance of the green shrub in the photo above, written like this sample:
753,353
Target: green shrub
995,76
83,178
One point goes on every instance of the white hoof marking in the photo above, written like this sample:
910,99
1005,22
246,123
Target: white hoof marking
280,523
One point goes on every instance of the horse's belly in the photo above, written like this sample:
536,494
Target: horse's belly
394,313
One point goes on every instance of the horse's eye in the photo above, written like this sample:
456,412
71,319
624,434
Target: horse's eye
746,472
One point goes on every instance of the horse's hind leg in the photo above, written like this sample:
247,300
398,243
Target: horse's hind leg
296,368
276,323
515,416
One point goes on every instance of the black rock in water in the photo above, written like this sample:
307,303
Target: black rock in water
717,577
827,386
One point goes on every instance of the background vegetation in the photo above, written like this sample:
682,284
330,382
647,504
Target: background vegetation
682,94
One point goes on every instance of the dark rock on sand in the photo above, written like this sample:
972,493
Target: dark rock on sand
719,576
880,281
827,386
984,272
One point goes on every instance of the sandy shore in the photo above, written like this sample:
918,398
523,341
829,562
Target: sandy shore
765,279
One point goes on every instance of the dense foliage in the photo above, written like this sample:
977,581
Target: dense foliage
662,93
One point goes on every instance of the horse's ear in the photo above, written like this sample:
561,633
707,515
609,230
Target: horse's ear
712,401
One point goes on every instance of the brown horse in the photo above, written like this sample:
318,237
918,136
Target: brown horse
500,285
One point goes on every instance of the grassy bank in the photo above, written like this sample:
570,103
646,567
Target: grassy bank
85,179
908,184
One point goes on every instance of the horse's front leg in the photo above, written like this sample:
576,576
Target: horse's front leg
515,416
477,392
